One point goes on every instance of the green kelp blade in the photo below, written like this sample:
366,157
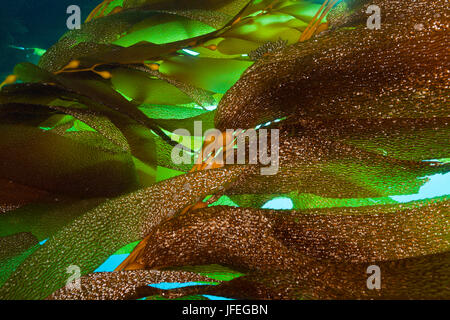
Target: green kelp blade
76,166
44,218
94,42
90,239
308,164
216,75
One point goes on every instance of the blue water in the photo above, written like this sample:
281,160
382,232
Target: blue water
29,24
438,185
281,203
176,285
112,263
216,297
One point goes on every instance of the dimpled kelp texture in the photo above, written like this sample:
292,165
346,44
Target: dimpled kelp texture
146,72
44,219
28,153
94,107
308,159
95,40
123,285
221,60
395,72
329,149
424,277
402,138
15,244
14,195
96,104
8,266
90,239
337,243
142,22
364,234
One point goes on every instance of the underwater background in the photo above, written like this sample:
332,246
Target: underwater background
28,25
88,185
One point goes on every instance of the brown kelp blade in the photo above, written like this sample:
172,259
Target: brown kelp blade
395,72
123,220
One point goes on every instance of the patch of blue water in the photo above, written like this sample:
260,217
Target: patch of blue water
216,297
112,263
281,203
438,185
176,285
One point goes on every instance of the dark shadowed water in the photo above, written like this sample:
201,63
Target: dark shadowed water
29,24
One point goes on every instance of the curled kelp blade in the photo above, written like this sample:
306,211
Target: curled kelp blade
146,147
76,164
145,86
84,89
103,94
96,39
424,277
117,120
125,30
14,195
15,244
14,249
123,285
208,71
36,98
365,234
395,72
105,100
216,9
114,224
314,164
403,139
227,6
44,218
99,134
62,119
